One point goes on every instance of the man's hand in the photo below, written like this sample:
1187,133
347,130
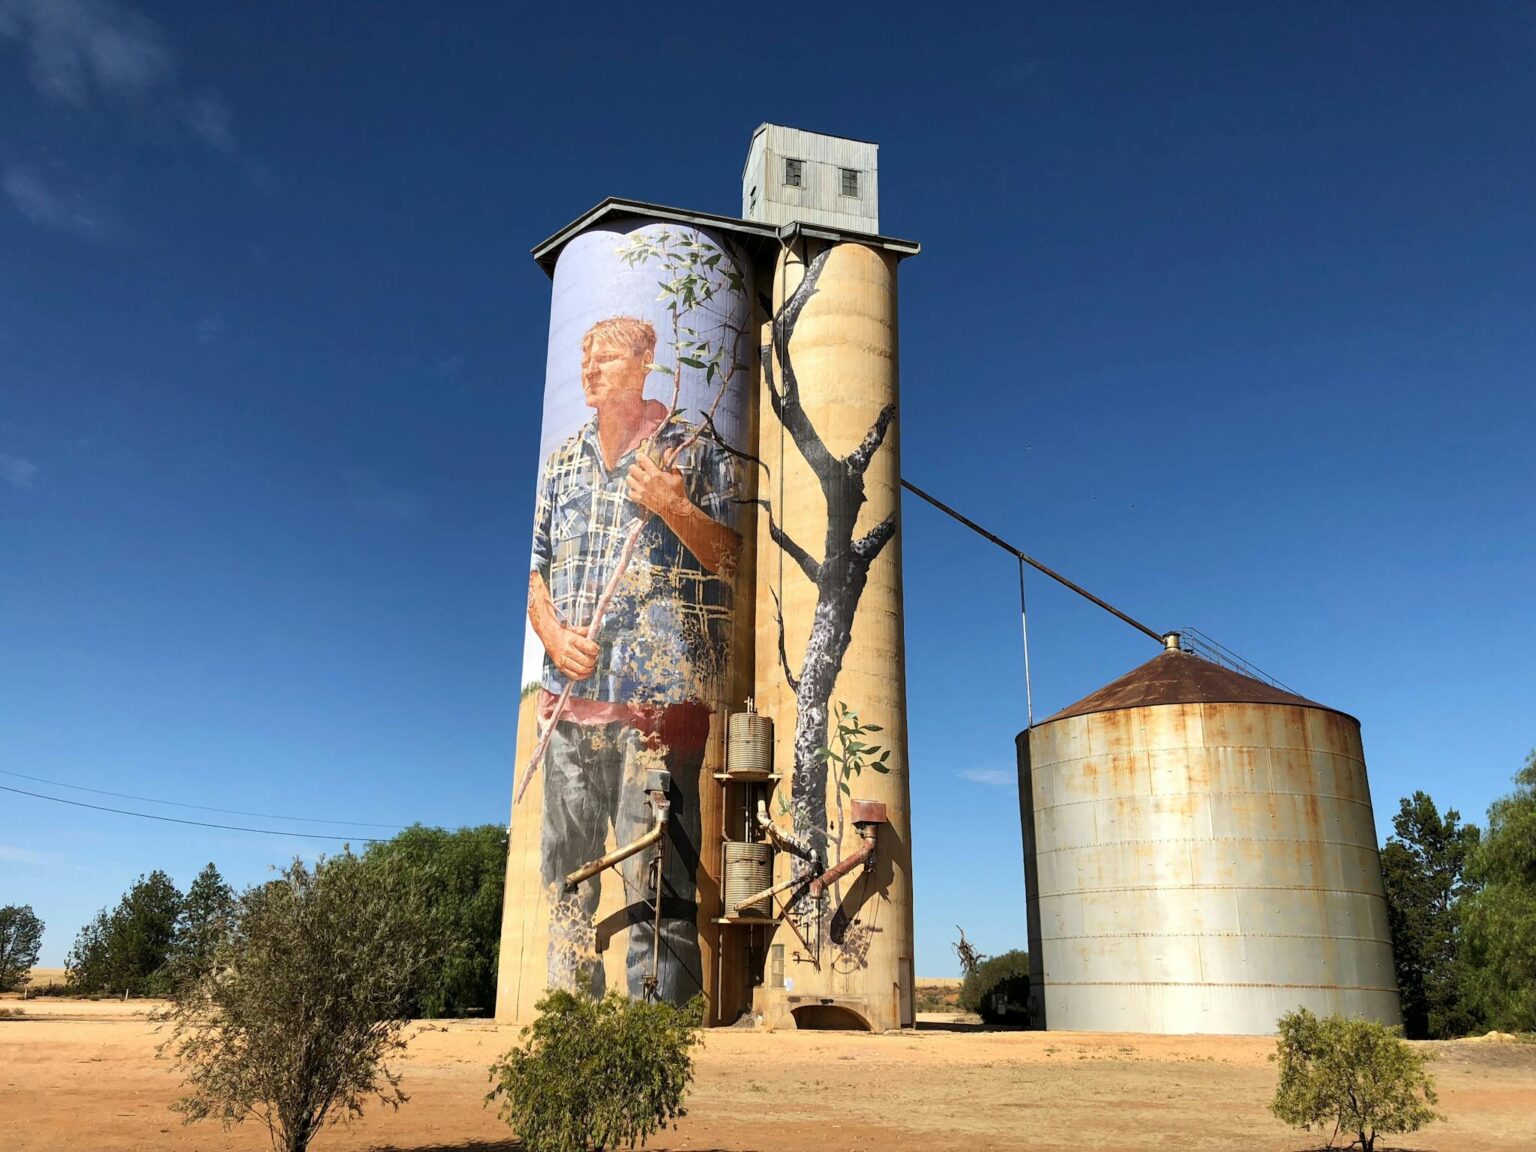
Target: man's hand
572,652
655,488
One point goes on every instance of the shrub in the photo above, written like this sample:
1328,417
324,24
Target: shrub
594,1074
998,989
302,1002
460,876
1350,1076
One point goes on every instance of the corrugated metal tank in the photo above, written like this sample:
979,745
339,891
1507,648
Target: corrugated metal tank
1200,857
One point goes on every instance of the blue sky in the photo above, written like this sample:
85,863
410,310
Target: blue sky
1225,310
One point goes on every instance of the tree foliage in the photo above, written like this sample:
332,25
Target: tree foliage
21,935
595,1074
459,876
1500,917
206,916
1424,871
128,949
1352,1077
304,1000
997,988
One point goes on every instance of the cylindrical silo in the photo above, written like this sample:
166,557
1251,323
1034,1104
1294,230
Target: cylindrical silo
639,613
829,650
1200,856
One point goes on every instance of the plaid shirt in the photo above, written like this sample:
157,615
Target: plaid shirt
663,639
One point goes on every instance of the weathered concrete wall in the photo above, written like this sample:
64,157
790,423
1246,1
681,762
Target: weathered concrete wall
829,568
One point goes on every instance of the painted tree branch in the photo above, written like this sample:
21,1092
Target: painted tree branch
868,546
858,460
790,678
807,563
841,575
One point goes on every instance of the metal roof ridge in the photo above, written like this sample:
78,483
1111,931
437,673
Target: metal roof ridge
546,251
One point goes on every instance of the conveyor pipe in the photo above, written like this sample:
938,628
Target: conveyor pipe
663,808
848,863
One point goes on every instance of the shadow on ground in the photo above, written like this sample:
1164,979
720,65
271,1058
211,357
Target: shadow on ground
965,1026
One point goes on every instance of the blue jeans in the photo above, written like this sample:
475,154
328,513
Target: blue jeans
594,779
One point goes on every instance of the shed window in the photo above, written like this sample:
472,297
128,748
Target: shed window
850,181
792,170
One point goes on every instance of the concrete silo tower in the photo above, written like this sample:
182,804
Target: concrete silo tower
1200,856
711,789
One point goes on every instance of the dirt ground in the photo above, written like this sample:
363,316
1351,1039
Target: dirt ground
83,1076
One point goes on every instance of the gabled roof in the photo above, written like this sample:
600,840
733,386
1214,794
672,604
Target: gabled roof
1178,677
755,232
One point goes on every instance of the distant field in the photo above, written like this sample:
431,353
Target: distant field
42,977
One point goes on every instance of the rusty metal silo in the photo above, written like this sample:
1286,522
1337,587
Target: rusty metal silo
1200,856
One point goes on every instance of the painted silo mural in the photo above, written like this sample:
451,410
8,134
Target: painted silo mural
637,538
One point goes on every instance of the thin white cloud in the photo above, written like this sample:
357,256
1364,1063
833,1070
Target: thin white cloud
12,854
210,328
49,205
379,500
82,49
991,777
18,472
208,117
84,52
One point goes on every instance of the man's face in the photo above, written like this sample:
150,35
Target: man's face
610,374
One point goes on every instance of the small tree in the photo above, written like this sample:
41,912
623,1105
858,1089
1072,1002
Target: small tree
21,935
1500,918
997,988
126,950
594,1074
303,1002
206,915
459,876
1350,1076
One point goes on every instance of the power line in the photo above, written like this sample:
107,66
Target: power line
195,823
198,807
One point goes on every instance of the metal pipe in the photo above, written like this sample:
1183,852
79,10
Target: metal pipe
1032,562
777,835
765,893
587,871
848,863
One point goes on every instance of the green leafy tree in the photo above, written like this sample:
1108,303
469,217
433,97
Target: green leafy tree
459,877
127,950
1500,918
21,935
295,1018
997,988
594,1074
1424,871
1350,1077
206,914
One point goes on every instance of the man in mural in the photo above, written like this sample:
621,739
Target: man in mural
639,689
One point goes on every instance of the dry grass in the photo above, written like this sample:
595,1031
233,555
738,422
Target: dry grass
74,1073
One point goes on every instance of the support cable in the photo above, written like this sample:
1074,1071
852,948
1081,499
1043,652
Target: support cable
1025,558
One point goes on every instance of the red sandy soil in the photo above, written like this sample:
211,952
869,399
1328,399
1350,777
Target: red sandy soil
83,1076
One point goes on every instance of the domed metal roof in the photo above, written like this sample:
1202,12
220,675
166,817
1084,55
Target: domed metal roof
1178,677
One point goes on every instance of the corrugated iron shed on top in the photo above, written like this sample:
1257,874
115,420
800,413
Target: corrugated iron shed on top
1177,677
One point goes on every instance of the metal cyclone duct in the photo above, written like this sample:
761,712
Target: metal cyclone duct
1200,857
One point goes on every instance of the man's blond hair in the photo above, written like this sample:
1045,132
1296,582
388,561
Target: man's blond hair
635,336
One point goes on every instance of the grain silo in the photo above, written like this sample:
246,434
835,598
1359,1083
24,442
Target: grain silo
1201,857
711,786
